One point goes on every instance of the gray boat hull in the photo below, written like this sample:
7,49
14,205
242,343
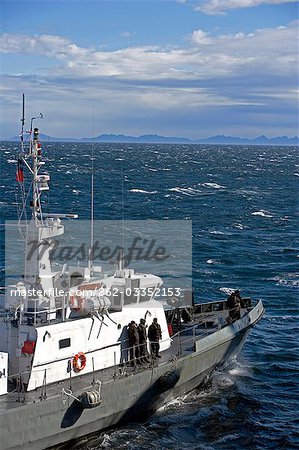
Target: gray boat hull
59,418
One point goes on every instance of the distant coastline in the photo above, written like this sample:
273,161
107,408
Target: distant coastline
156,139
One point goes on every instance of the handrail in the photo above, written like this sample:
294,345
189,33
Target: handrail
181,346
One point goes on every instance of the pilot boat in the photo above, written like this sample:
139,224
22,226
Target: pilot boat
67,366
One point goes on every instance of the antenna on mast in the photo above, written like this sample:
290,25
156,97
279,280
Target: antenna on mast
23,123
23,113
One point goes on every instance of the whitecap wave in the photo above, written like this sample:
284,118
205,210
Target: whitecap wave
282,318
261,213
291,279
185,191
142,191
239,226
213,185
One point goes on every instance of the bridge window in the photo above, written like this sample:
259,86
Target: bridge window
64,343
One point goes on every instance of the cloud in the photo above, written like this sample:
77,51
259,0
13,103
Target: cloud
200,37
215,7
47,45
265,50
148,86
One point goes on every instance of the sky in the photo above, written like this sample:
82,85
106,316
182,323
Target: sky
186,68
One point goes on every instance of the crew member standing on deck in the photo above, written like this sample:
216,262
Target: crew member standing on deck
234,306
142,341
133,342
36,289
155,335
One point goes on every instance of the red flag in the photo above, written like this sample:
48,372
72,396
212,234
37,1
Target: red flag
20,173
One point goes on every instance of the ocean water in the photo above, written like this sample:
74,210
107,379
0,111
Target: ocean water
243,203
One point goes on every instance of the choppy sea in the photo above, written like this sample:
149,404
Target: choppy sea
243,203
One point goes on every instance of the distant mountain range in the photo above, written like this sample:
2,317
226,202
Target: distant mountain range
153,138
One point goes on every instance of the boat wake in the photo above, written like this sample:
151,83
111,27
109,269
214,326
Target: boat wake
183,419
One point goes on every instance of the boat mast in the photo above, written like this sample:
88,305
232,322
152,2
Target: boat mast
90,258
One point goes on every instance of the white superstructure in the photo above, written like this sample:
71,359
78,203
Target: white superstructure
61,315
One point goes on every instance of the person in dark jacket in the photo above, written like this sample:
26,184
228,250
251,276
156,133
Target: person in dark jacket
133,342
234,306
155,335
36,288
142,341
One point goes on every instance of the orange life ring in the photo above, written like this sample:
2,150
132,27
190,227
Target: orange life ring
76,302
79,362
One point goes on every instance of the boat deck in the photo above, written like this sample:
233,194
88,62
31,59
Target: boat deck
183,343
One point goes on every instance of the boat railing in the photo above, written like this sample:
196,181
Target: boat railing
211,307
19,385
185,339
19,315
182,343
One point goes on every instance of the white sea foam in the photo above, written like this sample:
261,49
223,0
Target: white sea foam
262,213
179,401
11,161
222,380
76,191
185,191
240,370
213,185
285,218
141,191
227,291
282,318
246,191
293,280
239,226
